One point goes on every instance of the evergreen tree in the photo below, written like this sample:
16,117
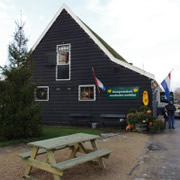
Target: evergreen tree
18,48
19,115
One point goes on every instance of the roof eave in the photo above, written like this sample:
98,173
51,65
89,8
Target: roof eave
134,68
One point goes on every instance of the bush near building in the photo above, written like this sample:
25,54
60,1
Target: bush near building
143,116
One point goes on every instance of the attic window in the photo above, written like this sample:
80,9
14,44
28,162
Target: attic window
63,62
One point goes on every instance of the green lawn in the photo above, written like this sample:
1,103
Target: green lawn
50,132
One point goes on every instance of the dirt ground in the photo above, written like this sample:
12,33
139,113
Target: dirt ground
127,149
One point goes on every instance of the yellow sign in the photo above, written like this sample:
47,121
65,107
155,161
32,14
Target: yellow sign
135,90
109,90
145,98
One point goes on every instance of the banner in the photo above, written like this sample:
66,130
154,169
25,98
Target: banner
123,93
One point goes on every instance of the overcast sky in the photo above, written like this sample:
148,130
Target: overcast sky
145,32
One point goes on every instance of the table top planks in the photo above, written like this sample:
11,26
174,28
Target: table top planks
64,141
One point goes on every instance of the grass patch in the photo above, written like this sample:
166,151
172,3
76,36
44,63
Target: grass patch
51,132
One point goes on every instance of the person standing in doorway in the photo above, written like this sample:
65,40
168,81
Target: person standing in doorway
170,110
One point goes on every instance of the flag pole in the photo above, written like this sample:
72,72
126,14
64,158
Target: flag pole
95,79
170,82
171,71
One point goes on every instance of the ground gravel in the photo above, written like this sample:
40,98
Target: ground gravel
127,149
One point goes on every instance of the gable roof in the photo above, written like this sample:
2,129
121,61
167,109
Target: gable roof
109,51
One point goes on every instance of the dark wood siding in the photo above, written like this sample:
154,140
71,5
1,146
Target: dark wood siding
63,97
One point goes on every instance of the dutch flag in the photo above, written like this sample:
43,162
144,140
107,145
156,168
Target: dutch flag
98,82
166,85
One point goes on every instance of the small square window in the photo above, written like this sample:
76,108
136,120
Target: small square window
87,93
42,93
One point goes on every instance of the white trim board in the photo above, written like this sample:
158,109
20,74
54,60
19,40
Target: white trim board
93,37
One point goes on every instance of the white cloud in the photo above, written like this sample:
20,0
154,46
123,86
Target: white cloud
95,6
42,18
3,5
146,33
5,32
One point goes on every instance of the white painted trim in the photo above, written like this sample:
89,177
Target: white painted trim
47,93
87,85
64,64
133,68
93,37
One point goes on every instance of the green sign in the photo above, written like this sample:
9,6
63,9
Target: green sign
123,93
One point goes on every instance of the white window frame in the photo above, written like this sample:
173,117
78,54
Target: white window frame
47,94
79,92
57,64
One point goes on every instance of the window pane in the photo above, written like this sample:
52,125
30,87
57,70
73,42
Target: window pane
63,48
82,93
91,93
63,72
63,58
41,93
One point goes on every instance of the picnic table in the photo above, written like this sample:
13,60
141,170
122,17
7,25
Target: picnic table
75,142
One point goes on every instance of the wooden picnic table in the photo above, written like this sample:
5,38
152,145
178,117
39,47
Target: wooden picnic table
75,142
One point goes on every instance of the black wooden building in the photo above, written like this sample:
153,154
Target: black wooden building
64,56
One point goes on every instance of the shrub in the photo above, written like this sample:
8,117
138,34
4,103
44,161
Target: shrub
132,110
151,118
158,124
135,118
143,108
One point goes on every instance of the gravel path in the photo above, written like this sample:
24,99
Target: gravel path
126,149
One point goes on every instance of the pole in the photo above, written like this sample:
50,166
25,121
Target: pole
170,79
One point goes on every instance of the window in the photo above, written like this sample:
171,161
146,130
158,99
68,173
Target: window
63,62
87,93
42,93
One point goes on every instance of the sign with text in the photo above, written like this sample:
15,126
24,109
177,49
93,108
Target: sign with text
123,93
163,97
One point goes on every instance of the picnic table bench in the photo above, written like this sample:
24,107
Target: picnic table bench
74,143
